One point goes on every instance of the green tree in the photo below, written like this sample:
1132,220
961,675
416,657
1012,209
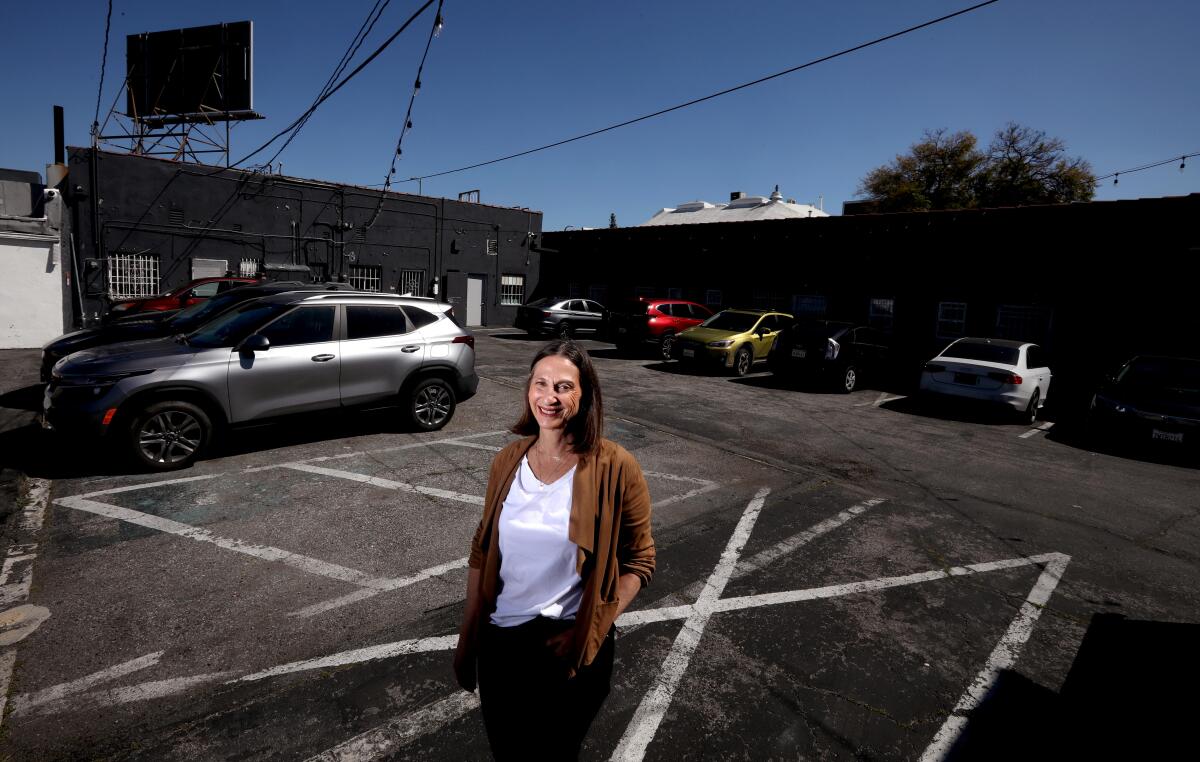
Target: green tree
937,173
947,171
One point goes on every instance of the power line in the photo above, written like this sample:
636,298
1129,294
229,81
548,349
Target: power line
103,66
364,31
316,104
434,31
726,91
1182,158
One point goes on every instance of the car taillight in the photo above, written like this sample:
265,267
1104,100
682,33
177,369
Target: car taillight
1005,378
468,340
547,313
932,367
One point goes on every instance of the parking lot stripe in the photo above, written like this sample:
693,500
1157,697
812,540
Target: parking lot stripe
376,481
652,709
149,485
28,701
872,585
264,552
358,655
386,585
1046,426
678,478
462,441
1003,656
382,741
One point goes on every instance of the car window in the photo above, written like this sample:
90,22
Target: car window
738,322
1035,357
667,309
698,312
303,325
576,305
970,350
365,321
592,306
225,285
205,290
1176,375
419,317
770,322
233,326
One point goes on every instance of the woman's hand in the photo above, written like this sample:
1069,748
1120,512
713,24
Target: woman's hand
464,663
560,644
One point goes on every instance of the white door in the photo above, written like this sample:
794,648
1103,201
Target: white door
474,301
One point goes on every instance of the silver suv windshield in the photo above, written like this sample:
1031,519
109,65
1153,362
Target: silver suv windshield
235,325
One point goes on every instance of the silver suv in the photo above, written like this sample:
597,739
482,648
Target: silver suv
162,399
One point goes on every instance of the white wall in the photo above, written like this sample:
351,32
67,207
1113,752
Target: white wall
31,311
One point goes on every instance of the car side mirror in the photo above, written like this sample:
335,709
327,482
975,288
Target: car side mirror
255,343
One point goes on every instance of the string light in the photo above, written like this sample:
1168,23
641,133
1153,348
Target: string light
1182,163
1116,177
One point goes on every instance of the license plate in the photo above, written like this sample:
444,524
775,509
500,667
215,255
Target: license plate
799,353
965,378
1167,436
689,353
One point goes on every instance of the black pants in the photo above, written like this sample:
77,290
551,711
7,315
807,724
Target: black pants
530,708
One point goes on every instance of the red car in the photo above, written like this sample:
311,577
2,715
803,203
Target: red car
654,320
190,293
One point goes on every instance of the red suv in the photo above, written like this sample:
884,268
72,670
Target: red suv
654,320
196,291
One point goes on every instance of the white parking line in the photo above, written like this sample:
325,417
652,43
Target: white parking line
376,481
1046,426
653,708
1003,656
388,584
382,741
356,656
28,701
264,552
462,441
883,398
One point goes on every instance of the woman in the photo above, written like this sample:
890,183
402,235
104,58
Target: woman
563,548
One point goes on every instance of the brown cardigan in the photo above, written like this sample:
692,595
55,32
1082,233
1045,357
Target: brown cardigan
610,522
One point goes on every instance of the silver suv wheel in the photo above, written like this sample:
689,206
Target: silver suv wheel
432,404
169,435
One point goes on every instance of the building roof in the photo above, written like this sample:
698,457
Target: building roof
739,209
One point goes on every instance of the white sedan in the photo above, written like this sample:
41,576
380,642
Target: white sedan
1011,373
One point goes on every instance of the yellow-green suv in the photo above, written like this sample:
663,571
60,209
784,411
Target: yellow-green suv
734,339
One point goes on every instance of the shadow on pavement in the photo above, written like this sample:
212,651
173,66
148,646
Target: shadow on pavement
28,398
952,410
1128,695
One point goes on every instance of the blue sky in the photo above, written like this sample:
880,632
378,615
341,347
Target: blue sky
1115,80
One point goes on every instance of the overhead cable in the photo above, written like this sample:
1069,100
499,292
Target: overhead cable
1181,158
103,65
726,91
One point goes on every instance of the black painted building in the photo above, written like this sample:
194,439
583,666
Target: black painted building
1094,282
141,226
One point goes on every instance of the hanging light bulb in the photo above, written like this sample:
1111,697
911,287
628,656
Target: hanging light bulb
1116,178
437,26
417,87
408,125
1182,162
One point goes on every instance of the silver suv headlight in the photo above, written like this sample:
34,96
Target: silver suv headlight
99,379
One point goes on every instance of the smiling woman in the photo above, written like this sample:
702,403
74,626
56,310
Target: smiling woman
563,547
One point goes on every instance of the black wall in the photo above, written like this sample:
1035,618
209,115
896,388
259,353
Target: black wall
296,228
1098,281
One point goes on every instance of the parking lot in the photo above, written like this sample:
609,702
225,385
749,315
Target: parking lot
839,577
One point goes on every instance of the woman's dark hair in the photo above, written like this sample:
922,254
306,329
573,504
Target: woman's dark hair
586,427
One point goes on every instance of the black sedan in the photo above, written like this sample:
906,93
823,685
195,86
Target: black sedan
1150,400
563,317
839,354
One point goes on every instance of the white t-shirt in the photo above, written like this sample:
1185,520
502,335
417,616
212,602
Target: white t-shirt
537,559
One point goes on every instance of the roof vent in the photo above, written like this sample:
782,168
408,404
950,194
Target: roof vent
736,195
693,206
776,195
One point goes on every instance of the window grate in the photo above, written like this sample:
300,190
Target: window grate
952,320
512,289
809,304
713,297
493,247
175,215
366,277
412,282
598,292
132,276
248,267
881,314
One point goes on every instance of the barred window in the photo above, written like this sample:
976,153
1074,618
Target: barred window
132,276
674,292
412,282
366,277
512,289
493,247
881,314
952,320
248,267
598,292
811,305
713,296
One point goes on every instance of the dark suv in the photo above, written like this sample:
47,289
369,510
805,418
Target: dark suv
656,321
562,316
155,324
840,354
161,400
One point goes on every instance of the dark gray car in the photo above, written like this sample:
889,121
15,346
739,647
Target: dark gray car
561,316
162,399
